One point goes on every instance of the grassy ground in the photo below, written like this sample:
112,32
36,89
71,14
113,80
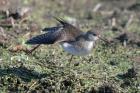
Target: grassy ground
110,68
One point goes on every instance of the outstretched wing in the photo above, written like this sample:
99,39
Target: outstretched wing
47,38
66,32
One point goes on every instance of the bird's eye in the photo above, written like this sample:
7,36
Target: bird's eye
94,34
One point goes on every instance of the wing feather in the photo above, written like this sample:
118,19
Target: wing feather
66,32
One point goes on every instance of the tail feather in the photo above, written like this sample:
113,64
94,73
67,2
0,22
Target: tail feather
63,22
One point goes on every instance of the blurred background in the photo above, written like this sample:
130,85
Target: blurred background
111,68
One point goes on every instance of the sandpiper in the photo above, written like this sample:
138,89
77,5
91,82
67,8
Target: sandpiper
72,39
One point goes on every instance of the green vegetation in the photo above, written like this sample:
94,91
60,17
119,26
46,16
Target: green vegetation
111,68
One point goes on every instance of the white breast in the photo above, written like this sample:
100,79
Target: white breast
81,51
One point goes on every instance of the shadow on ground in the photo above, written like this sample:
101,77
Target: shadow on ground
23,73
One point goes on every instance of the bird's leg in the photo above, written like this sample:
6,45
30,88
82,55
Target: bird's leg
70,59
69,64
31,50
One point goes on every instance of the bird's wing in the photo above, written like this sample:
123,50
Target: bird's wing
50,37
66,32
52,29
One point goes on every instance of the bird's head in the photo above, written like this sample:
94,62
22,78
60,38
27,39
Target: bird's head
93,35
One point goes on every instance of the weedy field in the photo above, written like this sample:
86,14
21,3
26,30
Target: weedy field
111,68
